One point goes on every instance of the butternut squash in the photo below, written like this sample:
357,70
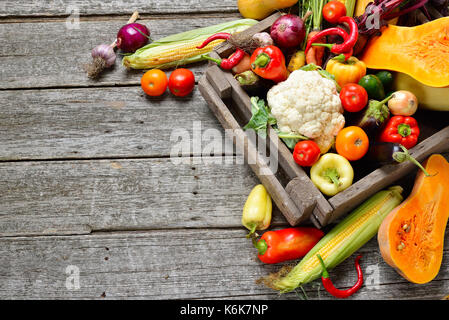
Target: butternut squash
411,237
422,52
260,9
429,98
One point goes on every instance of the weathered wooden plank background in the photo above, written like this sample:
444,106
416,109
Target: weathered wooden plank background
87,182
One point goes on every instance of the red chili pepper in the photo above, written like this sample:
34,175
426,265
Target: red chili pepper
353,34
231,62
287,244
335,48
349,41
269,63
402,130
217,36
337,293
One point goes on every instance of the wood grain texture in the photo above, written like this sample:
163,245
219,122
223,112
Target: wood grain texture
64,8
102,122
251,151
77,197
182,264
56,57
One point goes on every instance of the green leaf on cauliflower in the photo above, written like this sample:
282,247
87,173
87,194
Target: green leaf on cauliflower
322,72
290,139
260,120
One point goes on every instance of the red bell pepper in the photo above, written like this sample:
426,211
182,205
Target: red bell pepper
286,244
269,63
402,130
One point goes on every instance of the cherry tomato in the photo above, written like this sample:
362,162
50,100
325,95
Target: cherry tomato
333,11
181,82
154,82
352,143
353,97
306,153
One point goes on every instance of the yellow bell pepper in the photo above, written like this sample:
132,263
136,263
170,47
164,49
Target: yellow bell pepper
257,211
332,174
350,71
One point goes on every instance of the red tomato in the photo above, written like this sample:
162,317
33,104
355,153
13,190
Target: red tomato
181,82
353,97
154,82
352,143
333,11
306,153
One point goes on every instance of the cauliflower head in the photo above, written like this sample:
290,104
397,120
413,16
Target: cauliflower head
308,104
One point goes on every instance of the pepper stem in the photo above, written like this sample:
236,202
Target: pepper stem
207,57
252,231
333,175
404,130
261,61
260,245
327,45
405,156
325,274
341,58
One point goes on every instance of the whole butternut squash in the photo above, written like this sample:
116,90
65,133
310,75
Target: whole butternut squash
411,237
422,51
260,9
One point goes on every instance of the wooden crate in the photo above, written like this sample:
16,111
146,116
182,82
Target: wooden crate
291,188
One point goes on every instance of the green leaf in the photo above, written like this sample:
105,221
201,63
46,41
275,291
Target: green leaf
310,67
261,117
290,139
322,72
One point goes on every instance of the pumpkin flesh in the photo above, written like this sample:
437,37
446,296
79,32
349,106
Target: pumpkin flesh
411,237
422,52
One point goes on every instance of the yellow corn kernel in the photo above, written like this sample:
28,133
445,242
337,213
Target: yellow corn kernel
179,52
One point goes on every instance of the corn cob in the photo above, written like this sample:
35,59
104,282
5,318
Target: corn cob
180,49
342,241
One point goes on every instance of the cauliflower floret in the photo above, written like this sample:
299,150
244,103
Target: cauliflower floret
308,104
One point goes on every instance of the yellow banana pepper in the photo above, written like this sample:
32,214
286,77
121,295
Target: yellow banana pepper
257,210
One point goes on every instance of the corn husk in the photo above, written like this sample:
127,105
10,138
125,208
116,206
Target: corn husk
180,49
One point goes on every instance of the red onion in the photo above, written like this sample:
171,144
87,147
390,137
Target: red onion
132,36
288,31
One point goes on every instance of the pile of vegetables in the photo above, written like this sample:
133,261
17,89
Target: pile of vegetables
327,81
339,82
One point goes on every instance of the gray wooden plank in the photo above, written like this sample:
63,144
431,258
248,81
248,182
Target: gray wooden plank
101,122
77,197
97,7
55,57
177,264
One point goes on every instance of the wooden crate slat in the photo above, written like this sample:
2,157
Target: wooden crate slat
306,193
310,201
258,165
225,49
387,175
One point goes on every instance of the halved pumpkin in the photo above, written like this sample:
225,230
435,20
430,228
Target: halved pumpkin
411,237
421,52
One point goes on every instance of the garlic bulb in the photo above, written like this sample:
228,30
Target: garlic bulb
103,57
